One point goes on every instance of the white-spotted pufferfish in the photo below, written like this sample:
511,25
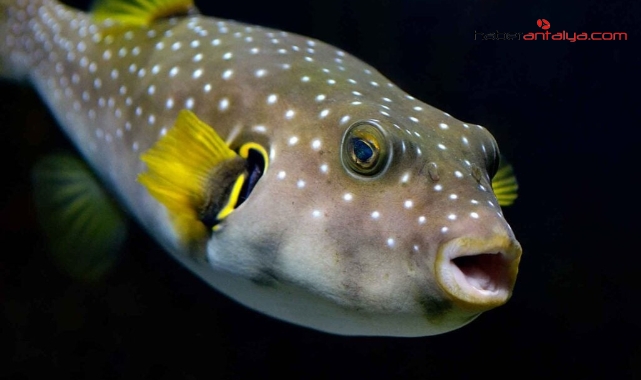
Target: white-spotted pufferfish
289,175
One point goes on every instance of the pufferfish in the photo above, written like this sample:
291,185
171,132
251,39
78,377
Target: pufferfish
289,175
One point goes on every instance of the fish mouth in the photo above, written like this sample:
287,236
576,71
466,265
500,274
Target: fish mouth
478,274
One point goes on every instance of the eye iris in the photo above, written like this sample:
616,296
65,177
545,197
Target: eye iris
362,150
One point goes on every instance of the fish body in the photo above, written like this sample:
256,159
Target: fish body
357,209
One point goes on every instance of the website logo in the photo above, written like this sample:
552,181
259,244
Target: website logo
549,35
543,23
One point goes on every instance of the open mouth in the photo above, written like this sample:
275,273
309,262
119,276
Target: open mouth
485,272
478,273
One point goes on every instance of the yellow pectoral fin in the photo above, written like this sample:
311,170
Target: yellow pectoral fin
85,227
190,171
504,184
140,12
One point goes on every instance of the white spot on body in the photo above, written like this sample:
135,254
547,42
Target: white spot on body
376,215
223,105
348,197
289,114
227,74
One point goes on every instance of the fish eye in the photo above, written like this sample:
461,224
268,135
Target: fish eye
364,149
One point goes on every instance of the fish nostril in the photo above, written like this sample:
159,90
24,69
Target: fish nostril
485,271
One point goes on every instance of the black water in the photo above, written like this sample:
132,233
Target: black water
567,116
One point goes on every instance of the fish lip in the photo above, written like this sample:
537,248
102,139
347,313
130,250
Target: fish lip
478,274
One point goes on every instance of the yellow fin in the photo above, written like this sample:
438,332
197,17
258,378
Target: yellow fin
191,171
504,184
140,12
84,226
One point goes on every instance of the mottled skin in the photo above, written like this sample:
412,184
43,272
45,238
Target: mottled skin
315,243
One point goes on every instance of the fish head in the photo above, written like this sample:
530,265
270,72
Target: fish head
388,221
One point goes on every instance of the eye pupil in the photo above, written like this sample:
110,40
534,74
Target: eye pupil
362,150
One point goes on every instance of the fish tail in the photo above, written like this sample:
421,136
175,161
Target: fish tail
15,35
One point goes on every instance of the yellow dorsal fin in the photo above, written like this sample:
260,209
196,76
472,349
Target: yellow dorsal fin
504,184
140,12
188,170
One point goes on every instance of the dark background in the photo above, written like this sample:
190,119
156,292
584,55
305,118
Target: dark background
565,114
